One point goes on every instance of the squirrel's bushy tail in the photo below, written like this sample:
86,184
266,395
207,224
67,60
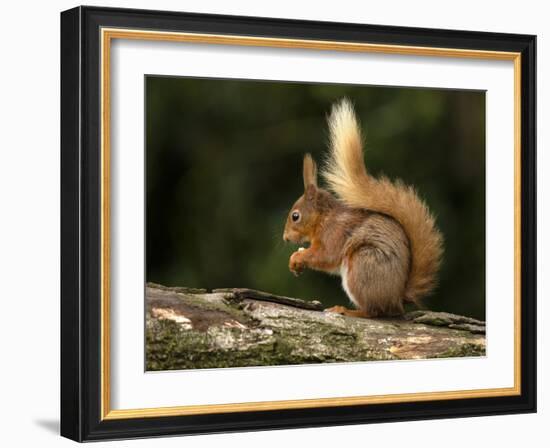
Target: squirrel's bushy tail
347,177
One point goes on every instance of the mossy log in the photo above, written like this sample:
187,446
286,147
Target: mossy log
190,328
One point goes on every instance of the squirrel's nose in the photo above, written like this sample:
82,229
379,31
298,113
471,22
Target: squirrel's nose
285,238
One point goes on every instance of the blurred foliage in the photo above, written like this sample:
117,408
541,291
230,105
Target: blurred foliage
224,162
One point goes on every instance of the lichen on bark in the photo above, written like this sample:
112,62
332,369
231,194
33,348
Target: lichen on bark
194,329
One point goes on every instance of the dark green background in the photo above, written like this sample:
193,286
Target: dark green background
224,163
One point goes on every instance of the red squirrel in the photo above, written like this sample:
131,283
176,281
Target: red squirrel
378,235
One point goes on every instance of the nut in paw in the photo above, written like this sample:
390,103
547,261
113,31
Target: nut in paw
296,263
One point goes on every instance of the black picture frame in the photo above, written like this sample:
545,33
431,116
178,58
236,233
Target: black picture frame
81,224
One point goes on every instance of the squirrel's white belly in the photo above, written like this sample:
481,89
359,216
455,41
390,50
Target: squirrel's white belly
344,274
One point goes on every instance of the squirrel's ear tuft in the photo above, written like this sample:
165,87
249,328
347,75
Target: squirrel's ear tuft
310,172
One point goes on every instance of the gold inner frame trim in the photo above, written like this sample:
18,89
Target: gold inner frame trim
107,35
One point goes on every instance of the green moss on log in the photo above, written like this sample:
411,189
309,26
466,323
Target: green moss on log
195,330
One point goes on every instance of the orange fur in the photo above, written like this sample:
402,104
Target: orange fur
347,177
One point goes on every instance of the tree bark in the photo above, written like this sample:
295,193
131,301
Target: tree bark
191,329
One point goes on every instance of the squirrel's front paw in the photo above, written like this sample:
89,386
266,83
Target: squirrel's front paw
296,263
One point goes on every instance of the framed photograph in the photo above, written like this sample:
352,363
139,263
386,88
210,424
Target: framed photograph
276,224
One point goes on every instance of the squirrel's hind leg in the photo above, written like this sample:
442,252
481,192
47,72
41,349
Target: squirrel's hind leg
347,312
352,295
374,283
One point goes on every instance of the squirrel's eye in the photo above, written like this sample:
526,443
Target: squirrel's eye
295,216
